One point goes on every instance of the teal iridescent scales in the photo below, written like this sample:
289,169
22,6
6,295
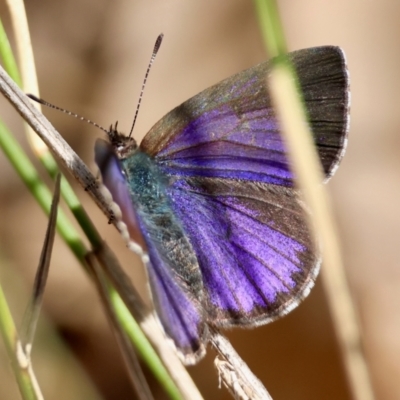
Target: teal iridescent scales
210,196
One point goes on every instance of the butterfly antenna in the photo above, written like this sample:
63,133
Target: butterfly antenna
45,103
153,56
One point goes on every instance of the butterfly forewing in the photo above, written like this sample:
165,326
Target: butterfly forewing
230,130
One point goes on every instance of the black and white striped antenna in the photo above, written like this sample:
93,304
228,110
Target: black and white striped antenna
72,114
153,56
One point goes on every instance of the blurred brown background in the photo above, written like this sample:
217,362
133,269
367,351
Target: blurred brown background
91,58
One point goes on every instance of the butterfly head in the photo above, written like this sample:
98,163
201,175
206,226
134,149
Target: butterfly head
124,146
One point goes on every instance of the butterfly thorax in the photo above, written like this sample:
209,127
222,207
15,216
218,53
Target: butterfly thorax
147,187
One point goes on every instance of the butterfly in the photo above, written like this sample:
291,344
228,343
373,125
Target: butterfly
208,197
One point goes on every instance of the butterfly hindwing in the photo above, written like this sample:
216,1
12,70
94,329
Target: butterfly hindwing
254,249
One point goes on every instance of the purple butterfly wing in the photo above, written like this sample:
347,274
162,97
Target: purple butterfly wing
254,249
230,129
232,188
180,313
